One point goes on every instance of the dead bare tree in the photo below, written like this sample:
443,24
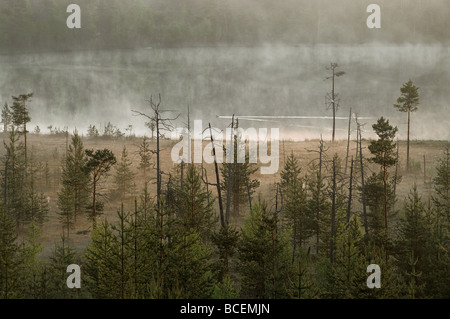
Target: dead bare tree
230,157
161,123
331,98
223,221
333,210
348,139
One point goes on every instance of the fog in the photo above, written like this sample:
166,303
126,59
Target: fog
78,89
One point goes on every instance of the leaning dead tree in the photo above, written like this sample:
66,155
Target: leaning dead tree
223,220
161,123
231,168
332,98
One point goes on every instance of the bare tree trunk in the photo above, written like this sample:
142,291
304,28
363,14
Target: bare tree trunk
334,108
333,211
348,139
219,194
25,134
230,156
363,194
158,172
319,180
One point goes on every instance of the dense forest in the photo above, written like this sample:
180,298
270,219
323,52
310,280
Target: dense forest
39,25
312,236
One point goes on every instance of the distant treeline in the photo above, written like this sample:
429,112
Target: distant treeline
40,25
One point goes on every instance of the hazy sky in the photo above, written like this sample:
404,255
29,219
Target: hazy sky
78,88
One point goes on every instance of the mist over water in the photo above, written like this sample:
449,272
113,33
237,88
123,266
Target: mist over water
76,89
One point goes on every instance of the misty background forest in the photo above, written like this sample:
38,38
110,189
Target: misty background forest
86,170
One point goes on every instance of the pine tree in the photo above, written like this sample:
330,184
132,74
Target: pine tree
318,206
20,116
191,268
73,197
121,252
302,282
408,102
294,199
36,205
92,131
264,256
98,164
194,204
145,155
383,150
9,259
100,270
124,175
